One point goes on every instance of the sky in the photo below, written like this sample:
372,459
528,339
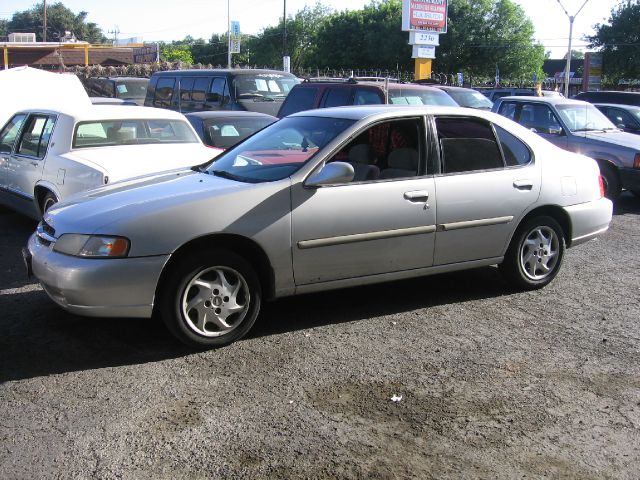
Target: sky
166,20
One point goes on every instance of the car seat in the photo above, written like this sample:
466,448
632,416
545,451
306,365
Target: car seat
402,162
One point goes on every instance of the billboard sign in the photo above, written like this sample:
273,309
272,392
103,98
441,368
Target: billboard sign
426,15
234,39
146,54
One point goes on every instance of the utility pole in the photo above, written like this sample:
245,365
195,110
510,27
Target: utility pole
568,66
286,65
44,23
228,35
115,33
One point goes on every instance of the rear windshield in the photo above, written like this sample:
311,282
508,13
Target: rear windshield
105,133
131,88
471,99
407,96
299,100
270,86
226,132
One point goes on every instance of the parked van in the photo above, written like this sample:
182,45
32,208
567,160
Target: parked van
220,89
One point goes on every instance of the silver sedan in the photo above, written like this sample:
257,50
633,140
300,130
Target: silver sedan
320,200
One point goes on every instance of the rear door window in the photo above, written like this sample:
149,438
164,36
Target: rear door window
164,92
186,85
467,145
515,152
218,94
337,97
298,100
35,136
200,87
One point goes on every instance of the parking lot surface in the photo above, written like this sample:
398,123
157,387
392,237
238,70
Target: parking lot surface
493,383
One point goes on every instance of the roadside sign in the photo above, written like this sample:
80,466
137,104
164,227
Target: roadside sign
235,28
427,15
234,40
234,45
460,78
417,37
426,51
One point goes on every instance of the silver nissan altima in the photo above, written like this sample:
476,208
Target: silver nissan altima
320,200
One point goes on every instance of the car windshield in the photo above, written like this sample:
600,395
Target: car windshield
415,96
470,99
584,117
268,86
131,89
226,132
107,133
279,150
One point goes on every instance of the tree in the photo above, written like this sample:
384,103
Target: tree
176,52
618,41
485,33
59,20
4,29
575,55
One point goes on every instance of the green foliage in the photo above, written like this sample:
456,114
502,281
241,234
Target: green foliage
4,30
486,33
176,52
59,20
618,41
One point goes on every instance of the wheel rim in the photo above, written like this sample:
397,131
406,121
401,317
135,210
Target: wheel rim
215,301
539,253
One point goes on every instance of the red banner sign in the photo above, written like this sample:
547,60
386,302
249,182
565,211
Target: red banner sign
427,15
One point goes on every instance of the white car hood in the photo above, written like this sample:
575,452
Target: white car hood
129,161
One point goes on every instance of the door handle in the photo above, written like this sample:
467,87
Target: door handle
523,184
418,196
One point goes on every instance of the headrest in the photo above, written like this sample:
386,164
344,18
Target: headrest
403,158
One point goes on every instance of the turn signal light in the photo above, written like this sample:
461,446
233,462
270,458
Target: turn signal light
601,183
636,161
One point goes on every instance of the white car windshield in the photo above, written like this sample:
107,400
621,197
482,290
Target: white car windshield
584,117
279,150
107,133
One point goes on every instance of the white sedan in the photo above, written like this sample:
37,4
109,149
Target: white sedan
48,155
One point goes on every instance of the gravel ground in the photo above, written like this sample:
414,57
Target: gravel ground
494,384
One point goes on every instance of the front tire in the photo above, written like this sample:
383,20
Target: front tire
535,254
612,187
210,298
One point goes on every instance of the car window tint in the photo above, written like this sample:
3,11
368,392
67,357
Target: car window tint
35,136
226,133
514,150
10,132
186,85
367,97
298,100
539,117
216,93
164,92
200,87
466,145
414,96
337,97
508,109
618,117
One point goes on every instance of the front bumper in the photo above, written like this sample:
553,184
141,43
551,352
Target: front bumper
588,220
97,287
630,178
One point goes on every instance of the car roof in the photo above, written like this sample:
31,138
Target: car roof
548,100
111,112
364,111
234,71
229,114
452,87
368,83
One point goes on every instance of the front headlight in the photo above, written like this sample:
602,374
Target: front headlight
92,246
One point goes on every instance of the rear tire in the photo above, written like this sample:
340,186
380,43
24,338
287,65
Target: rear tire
535,253
48,201
210,298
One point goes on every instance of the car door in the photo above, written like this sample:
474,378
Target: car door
487,180
383,221
27,161
8,137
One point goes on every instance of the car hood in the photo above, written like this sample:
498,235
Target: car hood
128,161
623,139
159,212
261,105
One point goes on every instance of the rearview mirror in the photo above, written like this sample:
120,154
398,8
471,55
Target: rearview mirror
334,172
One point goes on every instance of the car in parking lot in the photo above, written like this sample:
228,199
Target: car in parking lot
47,155
607,96
467,97
625,117
223,129
128,89
326,93
494,94
580,127
283,213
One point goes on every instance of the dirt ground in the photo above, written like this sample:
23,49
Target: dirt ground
494,384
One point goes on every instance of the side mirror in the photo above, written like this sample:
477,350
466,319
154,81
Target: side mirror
555,131
331,173
621,126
